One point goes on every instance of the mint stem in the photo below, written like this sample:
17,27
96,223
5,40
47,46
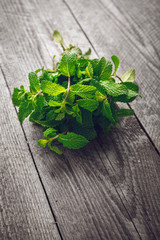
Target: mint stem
38,93
53,138
69,83
117,77
63,46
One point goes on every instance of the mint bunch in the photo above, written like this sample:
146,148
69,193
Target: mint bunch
76,98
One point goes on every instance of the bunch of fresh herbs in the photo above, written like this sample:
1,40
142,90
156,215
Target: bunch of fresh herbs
75,98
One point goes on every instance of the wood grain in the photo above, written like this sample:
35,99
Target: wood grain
73,203
131,31
24,210
98,192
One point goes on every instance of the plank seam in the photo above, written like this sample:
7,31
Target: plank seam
144,130
118,192
140,124
147,225
46,195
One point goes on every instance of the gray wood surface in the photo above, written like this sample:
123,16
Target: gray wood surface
24,209
130,30
108,190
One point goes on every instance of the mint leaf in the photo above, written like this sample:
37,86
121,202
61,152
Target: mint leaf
50,132
18,96
78,95
128,76
76,50
114,89
83,91
131,86
124,112
57,37
106,111
85,129
52,88
25,110
89,70
87,54
45,76
51,115
60,116
99,87
116,61
54,148
88,104
104,69
72,140
68,64
70,98
42,142
55,103
34,82
40,103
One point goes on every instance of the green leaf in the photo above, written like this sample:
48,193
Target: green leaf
85,129
128,76
99,87
24,110
57,37
104,69
18,96
132,93
89,70
45,76
124,112
103,122
79,72
50,132
68,64
72,140
83,62
114,89
87,54
116,61
52,88
34,82
60,116
38,70
79,117
76,50
70,98
40,103
54,148
106,111
51,115
55,103
42,142
83,91
88,104
131,86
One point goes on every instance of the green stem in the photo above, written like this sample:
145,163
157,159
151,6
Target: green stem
62,45
117,77
69,83
38,93
53,138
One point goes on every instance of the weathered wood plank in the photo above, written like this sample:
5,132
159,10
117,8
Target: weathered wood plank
89,192
24,209
83,209
131,31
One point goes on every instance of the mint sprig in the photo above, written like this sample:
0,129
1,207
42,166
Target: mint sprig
76,98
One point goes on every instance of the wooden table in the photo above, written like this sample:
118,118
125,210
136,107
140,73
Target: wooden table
111,188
